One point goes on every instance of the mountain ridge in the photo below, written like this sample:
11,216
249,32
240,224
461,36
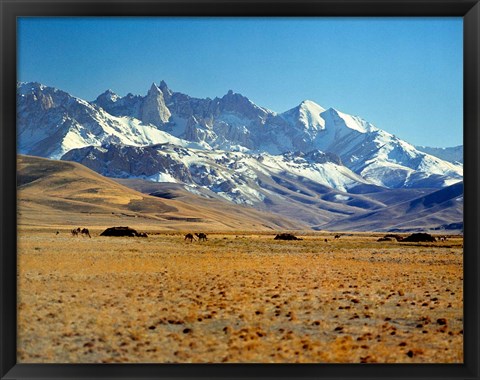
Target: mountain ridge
452,154
308,162
232,123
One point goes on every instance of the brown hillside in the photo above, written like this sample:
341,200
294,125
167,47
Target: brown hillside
66,194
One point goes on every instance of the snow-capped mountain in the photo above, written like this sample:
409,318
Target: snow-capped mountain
51,122
312,187
310,163
236,176
234,123
376,155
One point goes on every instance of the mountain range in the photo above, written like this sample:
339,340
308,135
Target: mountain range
311,164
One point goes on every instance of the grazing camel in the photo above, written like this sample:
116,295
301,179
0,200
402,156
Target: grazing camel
86,232
201,236
80,231
190,237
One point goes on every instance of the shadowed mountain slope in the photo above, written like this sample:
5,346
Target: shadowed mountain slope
439,210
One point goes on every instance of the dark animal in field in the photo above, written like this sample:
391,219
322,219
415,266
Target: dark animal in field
337,236
286,236
420,237
201,236
120,231
326,240
56,233
385,239
85,232
80,231
190,237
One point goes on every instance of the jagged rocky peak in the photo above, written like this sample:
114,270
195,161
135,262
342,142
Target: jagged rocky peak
109,93
154,90
38,97
107,97
237,103
165,90
234,97
24,88
154,110
119,106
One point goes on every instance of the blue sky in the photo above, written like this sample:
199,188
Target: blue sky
402,74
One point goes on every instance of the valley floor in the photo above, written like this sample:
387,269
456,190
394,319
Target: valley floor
237,298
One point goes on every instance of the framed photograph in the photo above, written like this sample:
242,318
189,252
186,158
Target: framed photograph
221,189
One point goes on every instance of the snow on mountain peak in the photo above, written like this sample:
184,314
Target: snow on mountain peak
341,119
310,113
306,116
311,106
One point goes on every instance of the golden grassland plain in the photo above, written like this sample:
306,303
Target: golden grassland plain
238,297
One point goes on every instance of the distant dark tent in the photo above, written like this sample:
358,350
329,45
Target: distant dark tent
286,237
420,237
120,231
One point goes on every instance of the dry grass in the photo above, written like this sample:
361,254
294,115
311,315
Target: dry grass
237,298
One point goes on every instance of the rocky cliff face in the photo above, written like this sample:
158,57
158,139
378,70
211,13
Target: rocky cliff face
153,109
120,161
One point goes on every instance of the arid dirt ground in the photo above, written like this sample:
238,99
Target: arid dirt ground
237,297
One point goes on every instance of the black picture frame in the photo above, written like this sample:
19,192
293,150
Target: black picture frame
10,10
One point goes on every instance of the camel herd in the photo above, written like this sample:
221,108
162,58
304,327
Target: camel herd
80,231
201,237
